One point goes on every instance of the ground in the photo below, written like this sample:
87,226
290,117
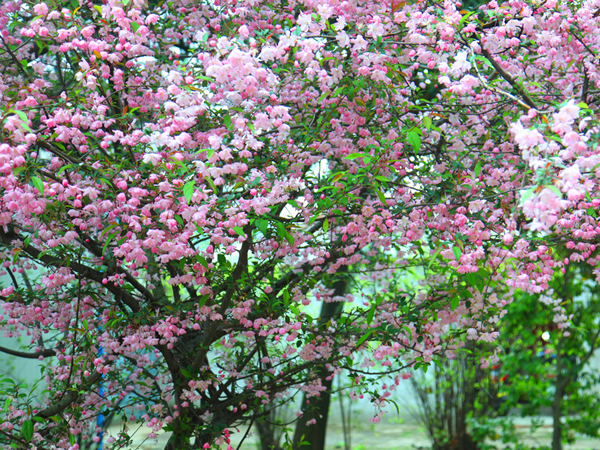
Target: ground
388,435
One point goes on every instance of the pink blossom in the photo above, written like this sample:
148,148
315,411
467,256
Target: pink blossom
40,9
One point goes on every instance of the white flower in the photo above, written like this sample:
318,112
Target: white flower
152,158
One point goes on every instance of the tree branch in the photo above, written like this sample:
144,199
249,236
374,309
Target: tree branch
233,284
83,270
36,355
528,101
70,397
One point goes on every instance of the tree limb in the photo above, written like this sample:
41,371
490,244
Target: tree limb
70,397
233,283
45,353
528,101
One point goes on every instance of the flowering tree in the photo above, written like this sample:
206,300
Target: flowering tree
180,182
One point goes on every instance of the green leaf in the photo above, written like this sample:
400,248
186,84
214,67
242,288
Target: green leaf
527,193
239,230
355,155
364,338
38,184
18,170
382,198
289,238
7,403
209,179
326,225
415,140
135,26
27,430
203,300
465,294
434,257
554,189
371,314
381,178
465,17
63,168
281,231
477,170
110,238
427,122
23,117
471,279
188,190
457,252
262,225
108,228
454,303
227,121
202,260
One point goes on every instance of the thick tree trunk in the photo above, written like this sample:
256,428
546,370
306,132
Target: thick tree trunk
317,408
268,436
178,442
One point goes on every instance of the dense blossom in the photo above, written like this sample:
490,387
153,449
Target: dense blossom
182,183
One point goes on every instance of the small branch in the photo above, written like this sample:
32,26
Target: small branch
15,59
246,433
55,151
528,101
585,87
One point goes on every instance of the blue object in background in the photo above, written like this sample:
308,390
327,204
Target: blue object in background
101,418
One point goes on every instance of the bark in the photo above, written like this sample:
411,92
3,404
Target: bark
317,408
562,381
269,439
557,427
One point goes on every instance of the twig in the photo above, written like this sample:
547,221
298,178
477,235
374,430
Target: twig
527,100
246,434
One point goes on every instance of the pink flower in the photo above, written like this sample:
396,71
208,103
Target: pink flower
243,31
87,32
526,138
41,9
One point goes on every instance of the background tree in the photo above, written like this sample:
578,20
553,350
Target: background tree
455,394
545,366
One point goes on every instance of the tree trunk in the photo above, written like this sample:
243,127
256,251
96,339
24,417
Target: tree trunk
317,408
557,427
178,442
562,381
269,438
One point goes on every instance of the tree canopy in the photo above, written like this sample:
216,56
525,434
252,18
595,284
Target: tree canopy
183,182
